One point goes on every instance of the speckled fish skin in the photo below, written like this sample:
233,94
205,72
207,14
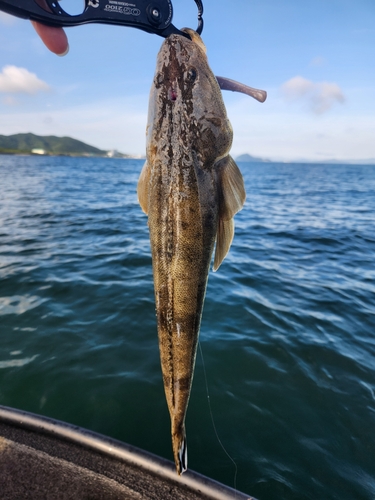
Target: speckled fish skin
182,189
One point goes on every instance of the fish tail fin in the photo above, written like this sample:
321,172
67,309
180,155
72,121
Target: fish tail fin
180,450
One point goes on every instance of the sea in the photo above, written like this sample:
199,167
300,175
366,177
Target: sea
283,399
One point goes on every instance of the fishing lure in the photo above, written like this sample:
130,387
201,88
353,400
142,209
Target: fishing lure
152,16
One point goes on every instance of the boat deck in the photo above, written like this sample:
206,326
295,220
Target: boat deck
41,458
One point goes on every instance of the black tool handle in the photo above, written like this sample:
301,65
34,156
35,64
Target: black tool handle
153,16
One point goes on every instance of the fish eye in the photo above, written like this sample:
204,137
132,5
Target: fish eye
159,79
191,75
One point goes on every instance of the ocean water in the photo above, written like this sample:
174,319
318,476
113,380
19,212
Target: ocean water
288,329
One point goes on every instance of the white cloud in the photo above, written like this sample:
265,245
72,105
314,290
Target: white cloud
20,80
318,61
297,87
320,96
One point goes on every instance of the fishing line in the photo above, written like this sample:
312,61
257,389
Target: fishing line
213,422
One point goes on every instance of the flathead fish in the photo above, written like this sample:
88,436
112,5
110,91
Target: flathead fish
191,188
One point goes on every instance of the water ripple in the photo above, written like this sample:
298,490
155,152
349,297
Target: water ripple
288,329
11,363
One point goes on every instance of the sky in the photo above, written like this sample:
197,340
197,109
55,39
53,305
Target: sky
315,59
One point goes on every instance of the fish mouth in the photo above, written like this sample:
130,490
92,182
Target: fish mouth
172,94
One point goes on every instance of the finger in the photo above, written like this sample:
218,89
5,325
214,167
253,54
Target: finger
54,39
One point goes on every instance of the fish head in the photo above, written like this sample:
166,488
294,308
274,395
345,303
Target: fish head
186,99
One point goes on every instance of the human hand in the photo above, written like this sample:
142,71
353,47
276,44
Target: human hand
54,39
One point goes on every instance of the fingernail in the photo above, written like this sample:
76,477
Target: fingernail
64,53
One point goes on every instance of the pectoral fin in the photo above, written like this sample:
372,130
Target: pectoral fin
232,197
224,239
142,189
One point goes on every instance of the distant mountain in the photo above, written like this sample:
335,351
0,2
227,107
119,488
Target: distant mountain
246,158
48,144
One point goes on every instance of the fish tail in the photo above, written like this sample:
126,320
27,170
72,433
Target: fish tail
180,450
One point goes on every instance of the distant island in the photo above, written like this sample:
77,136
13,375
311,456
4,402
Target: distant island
246,158
51,145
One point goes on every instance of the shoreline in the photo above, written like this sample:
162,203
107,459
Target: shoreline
71,155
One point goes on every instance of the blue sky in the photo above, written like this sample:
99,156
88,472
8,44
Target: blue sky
315,58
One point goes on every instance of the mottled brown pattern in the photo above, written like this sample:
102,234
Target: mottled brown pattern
187,134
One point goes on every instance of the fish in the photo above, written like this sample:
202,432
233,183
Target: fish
190,188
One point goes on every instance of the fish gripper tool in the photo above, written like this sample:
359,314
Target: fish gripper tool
152,16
